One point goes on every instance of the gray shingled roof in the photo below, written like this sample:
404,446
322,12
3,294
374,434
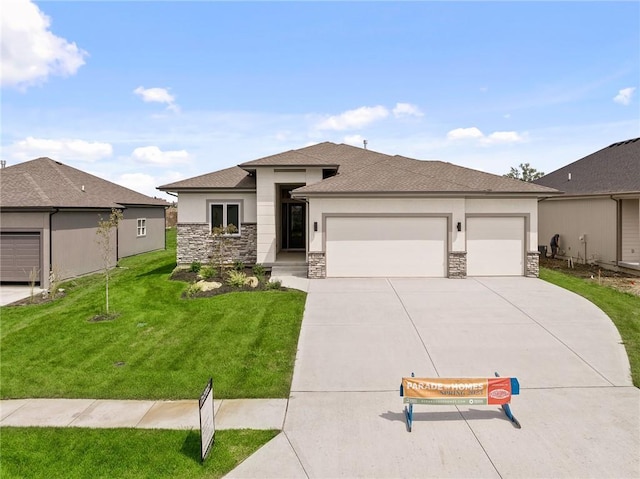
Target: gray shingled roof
398,174
45,183
614,169
229,178
365,171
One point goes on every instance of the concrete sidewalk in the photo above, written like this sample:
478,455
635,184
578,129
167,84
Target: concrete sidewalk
108,413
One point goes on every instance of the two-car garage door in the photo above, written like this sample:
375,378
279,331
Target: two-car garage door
386,246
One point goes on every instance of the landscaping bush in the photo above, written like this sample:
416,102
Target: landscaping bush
208,272
195,267
237,279
238,265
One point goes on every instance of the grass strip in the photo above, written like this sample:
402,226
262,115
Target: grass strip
622,308
122,453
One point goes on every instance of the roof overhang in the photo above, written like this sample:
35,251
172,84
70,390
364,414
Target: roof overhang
200,189
421,194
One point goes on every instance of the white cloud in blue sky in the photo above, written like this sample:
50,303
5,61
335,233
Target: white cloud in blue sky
31,52
495,94
624,96
157,95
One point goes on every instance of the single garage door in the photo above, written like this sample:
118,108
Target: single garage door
19,255
386,247
495,246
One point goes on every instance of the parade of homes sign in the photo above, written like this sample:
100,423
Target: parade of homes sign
207,426
457,391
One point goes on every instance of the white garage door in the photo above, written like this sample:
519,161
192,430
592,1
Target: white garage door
386,247
495,246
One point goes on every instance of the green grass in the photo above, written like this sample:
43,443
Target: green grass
121,453
160,347
622,308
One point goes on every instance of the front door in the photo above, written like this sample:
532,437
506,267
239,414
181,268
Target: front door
293,226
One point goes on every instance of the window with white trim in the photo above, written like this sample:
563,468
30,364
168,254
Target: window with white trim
225,214
142,227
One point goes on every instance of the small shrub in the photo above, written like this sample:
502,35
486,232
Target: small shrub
274,285
238,265
236,279
195,267
193,289
208,272
259,270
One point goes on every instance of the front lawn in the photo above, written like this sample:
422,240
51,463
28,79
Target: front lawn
160,346
622,308
122,453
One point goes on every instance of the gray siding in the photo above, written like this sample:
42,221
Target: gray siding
129,241
572,218
75,250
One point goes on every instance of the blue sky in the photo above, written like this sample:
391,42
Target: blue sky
146,93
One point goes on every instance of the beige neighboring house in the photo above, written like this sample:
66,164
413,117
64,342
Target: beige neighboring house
49,215
598,217
341,211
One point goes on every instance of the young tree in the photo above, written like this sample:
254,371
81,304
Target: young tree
106,246
524,173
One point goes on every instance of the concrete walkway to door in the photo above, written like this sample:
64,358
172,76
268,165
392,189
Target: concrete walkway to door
578,409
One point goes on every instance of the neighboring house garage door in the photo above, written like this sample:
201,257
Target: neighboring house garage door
19,255
372,246
495,246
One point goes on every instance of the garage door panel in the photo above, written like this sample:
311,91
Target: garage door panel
495,246
19,255
386,247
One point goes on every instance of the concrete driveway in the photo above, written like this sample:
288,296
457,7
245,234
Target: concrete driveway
12,293
579,412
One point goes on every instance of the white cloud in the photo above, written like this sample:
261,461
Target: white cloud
30,51
474,133
406,109
465,133
152,155
146,184
356,140
60,149
157,95
354,119
504,137
624,96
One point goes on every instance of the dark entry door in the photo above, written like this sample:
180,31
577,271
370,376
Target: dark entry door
293,226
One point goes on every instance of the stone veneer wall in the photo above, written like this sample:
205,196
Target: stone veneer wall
533,264
195,243
458,264
317,266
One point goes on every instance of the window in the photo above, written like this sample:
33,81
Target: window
225,214
142,227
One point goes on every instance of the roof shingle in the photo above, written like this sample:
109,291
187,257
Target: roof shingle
45,183
614,169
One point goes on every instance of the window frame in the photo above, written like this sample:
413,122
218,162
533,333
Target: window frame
225,214
141,227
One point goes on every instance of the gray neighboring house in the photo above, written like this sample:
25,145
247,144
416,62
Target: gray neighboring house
49,215
342,211
598,217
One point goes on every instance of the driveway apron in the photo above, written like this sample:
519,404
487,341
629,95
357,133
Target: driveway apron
577,406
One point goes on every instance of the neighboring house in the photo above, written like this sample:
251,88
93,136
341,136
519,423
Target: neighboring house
351,212
49,215
598,217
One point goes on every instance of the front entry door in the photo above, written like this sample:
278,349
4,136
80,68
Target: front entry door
293,226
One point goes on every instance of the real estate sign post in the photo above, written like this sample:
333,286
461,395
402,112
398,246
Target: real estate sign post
207,426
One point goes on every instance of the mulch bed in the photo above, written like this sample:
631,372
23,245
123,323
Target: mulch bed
187,276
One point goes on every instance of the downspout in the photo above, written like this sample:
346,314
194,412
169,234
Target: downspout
618,229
